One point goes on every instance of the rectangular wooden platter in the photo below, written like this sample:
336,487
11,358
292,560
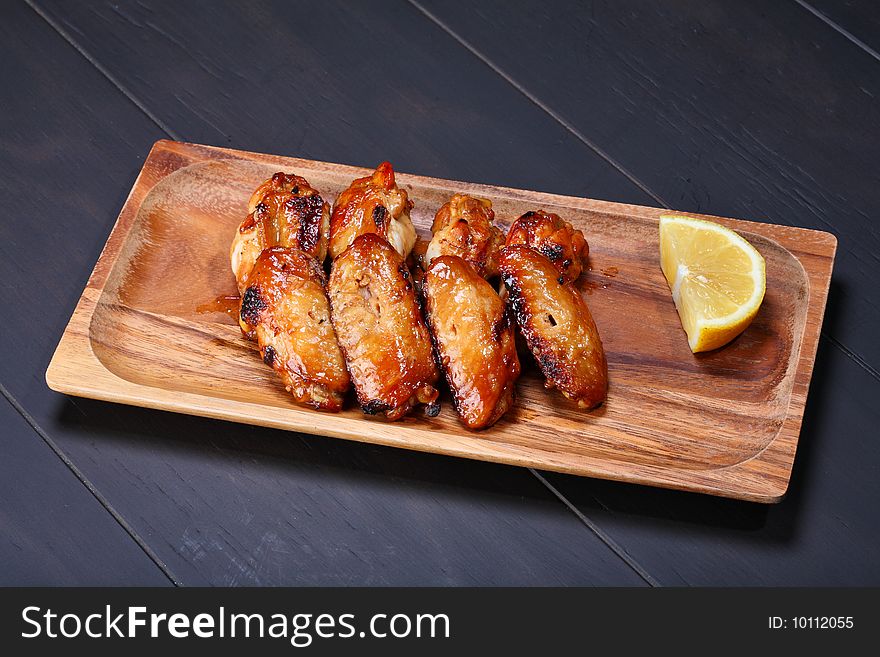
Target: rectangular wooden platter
723,423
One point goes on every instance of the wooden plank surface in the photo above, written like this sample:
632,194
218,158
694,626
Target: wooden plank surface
858,20
54,531
725,423
218,503
749,109
343,82
686,118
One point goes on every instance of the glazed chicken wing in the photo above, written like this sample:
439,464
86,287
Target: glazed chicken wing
284,305
474,340
463,227
555,238
283,211
557,326
373,204
381,331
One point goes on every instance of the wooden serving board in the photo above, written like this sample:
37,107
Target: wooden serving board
724,423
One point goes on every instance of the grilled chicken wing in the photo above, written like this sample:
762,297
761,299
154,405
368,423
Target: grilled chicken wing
381,331
373,204
556,324
285,306
283,211
463,227
473,338
555,238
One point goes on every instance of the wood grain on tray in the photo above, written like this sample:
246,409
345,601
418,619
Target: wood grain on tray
724,423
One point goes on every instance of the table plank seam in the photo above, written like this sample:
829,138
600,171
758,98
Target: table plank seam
601,535
89,486
840,29
102,70
537,102
172,134
854,357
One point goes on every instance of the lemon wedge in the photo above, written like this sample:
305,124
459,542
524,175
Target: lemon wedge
717,279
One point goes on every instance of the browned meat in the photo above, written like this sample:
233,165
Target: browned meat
463,227
285,306
283,211
474,340
416,264
381,331
373,204
555,238
557,326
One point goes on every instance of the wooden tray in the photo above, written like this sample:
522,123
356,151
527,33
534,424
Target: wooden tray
724,423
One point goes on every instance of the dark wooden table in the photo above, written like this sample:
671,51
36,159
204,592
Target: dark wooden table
748,109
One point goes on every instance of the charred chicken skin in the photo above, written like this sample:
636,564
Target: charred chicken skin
373,204
463,227
557,326
380,328
565,246
474,340
283,211
285,307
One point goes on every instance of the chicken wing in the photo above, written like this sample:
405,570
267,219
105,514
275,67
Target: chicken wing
463,227
285,306
557,239
283,211
381,331
474,340
557,326
373,204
